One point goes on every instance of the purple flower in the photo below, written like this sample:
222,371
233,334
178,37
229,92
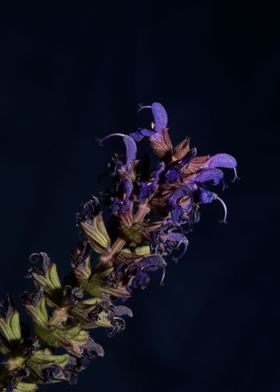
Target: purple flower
147,188
160,123
141,268
207,197
141,133
168,238
130,145
124,237
158,136
207,175
223,160
181,204
175,169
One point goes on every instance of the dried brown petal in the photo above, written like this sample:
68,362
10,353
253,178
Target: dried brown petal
162,145
196,164
181,149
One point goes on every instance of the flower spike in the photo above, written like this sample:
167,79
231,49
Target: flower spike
125,235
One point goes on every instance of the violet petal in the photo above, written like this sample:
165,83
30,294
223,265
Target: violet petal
131,149
206,196
130,145
121,310
172,176
160,116
152,263
148,188
222,160
141,133
178,194
214,175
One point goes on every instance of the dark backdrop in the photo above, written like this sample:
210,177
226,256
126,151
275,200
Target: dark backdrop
71,73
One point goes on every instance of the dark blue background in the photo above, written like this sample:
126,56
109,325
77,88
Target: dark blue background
71,73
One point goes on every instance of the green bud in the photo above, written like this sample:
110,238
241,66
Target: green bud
143,250
97,234
15,362
83,271
50,281
10,327
72,339
43,359
46,335
38,311
81,312
103,320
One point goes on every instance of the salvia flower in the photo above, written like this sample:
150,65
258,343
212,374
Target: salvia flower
124,236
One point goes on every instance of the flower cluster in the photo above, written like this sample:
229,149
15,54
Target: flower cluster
124,236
